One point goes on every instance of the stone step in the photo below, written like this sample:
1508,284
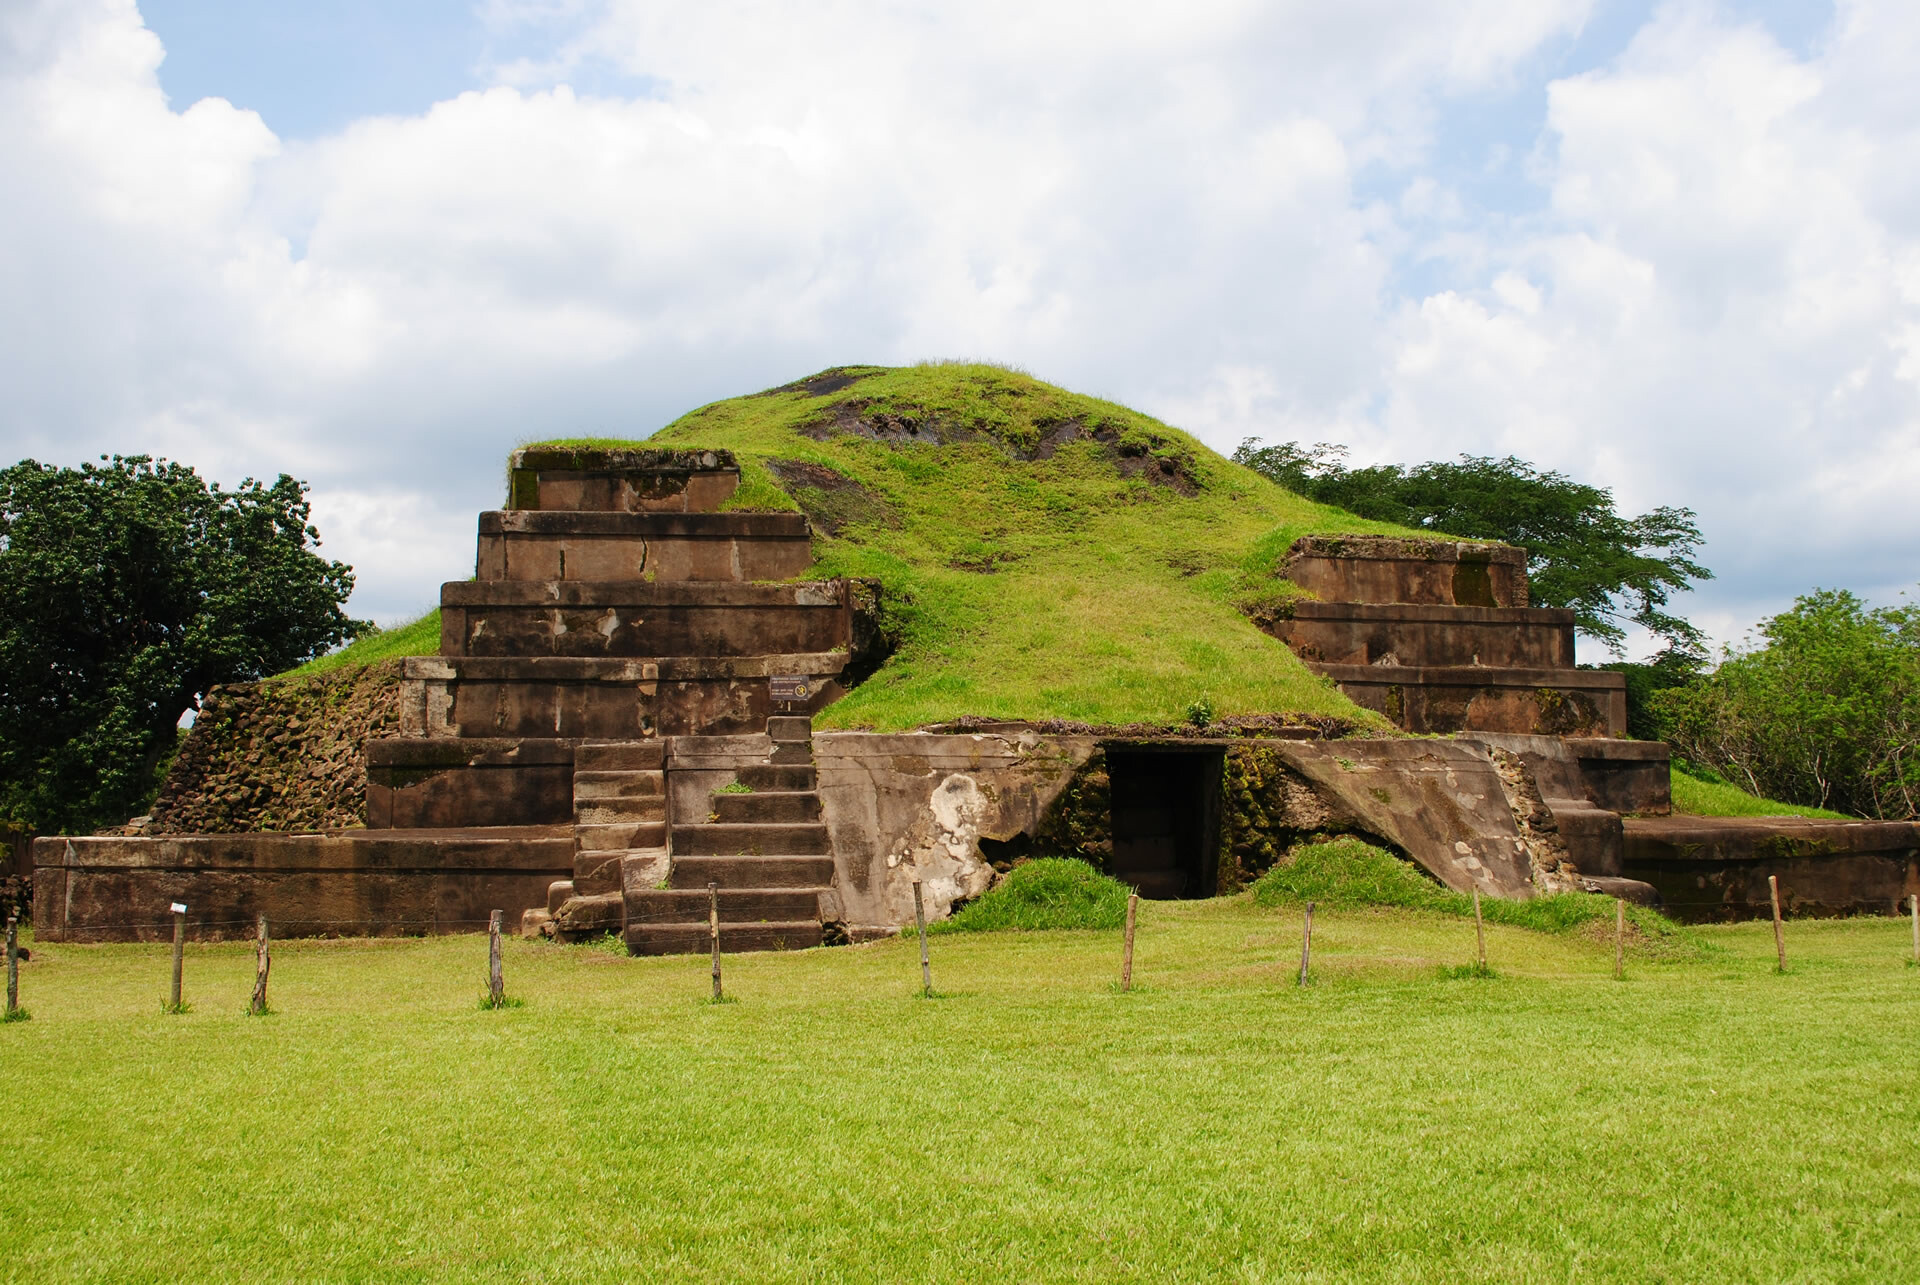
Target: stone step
585,545
767,806
618,785
580,916
619,811
1344,633
638,618
737,905
602,838
620,480
777,776
780,839
595,872
1465,698
620,756
558,893
787,729
751,872
693,939
644,870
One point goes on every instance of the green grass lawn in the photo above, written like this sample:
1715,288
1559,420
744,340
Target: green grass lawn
1706,1119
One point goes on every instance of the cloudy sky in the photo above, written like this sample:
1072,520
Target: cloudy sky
1669,248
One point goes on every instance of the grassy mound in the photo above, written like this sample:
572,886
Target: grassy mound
1346,874
1046,893
1699,792
1045,554
416,638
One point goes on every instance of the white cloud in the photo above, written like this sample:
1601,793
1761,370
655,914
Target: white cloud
1715,304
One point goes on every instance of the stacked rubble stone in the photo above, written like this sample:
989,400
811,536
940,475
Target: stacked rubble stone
285,755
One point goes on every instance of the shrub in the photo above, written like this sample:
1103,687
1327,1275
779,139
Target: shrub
1046,893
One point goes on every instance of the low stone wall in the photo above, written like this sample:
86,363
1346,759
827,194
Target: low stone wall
282,755
357,883
1716,868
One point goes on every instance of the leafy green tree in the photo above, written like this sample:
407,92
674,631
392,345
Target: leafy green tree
1611,570
127,589
1825,712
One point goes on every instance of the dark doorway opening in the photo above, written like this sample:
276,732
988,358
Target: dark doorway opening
1166,816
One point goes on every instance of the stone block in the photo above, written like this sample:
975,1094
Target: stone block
641,619
790,729
1367,568
1716,868
442,782
661,547
644,480
620,756
600,699
1464,698
1347,633
351,883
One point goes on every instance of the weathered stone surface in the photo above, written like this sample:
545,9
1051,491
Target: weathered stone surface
643,480
589,915
443,782
917,805
1440,802
1352,633
1465,698
601,699
538,545
1716,868
1590,833
518,618
1625,776
1370,568
351,883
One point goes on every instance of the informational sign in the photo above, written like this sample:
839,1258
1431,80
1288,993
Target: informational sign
179,909
791,687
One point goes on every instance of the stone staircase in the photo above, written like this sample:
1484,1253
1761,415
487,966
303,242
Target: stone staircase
619,834
618,611
760,841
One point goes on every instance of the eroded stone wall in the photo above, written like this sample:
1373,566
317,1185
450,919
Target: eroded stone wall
285,755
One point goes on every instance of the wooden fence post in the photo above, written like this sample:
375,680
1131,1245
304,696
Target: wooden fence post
713,932
1479,931
1306,943
496,981
1619,938
13,965
1126,952
261,963
1779,936
179,952
1913,903
920,919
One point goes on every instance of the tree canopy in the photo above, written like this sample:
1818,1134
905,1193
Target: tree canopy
127,590
1611,570
1825,711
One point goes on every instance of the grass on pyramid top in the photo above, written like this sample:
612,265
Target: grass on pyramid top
1043,554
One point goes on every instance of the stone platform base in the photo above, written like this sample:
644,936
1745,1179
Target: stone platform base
1716,868
352,883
